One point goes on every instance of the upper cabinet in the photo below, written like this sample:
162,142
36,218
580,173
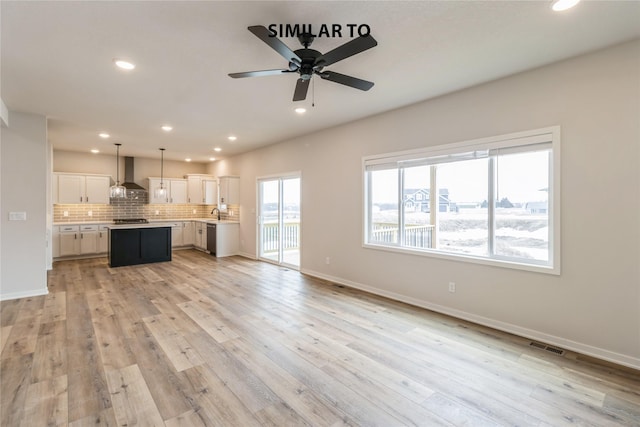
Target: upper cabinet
176,190
229,190
202,189
76,188
210,189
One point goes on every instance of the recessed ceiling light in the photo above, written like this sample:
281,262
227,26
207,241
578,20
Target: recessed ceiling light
104,135
187,160
211,159
300,110
94,151
125,65
167,128
217,149
560,5
232,138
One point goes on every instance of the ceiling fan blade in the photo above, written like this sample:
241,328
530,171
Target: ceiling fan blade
348,49
263,34
346,80
300,94
259,73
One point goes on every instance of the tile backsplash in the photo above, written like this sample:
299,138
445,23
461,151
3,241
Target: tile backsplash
132,208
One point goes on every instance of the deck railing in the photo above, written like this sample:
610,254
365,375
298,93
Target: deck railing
290,236
417,236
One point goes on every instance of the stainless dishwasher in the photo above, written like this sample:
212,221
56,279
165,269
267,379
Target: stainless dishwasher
211,238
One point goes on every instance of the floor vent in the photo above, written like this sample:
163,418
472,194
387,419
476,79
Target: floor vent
554,350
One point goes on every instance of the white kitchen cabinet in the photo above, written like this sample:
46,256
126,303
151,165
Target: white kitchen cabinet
76,188
200,235
194,189
210,190
88,239
227,239
176,190
202,189
103,239
154,185
68,237
229,190
176,234
80,240
188,233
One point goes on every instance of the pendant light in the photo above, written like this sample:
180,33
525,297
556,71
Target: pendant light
161,192
117,191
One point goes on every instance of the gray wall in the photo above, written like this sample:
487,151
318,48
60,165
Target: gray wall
593,306
23,183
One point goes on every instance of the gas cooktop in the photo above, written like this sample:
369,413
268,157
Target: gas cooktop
131,221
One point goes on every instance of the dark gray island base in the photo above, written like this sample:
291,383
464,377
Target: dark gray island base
131,245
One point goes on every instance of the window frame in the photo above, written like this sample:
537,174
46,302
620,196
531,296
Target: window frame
517,141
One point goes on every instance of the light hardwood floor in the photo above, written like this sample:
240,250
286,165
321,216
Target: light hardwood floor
201,341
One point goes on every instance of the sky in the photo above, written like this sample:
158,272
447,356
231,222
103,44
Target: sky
520,179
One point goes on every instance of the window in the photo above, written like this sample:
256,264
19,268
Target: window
493,201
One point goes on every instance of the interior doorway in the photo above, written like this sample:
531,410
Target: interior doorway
279,220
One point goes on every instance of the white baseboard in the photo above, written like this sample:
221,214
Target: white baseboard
27,294
567,344
247,255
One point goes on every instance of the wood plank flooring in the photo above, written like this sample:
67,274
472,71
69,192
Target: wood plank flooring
201,341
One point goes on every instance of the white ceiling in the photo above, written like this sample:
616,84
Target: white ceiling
57,61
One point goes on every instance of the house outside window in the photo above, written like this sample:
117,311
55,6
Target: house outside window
436,201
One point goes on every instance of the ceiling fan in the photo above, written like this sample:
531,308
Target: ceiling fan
308,62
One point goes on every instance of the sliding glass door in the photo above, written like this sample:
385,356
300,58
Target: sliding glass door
279,220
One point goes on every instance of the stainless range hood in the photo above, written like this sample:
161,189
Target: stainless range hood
128,176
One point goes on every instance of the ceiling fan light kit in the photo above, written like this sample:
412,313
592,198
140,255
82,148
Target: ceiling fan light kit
307,62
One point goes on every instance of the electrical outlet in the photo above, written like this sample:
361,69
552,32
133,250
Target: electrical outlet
65,213
194,211
157,212
452,287
90,213
327,260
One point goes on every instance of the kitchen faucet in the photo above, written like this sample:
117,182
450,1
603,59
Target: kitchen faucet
218,210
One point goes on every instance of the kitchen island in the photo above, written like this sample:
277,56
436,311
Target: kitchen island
131,244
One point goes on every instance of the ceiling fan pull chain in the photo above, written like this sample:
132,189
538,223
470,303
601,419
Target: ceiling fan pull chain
313,92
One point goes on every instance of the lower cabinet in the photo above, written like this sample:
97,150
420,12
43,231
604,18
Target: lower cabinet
75,240
176,234
227,239
88,241
188,233
200,236
93,239
68,240
103,239
131,246
182,234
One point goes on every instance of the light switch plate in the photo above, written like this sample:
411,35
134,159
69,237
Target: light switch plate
17,216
